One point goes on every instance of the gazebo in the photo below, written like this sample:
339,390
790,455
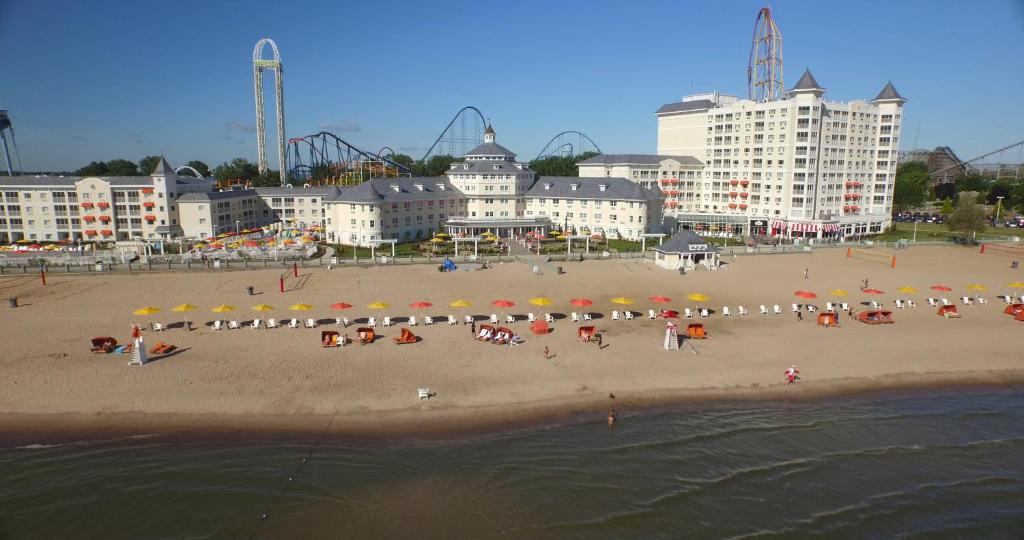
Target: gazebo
685,249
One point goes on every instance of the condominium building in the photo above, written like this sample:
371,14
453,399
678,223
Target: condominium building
801,166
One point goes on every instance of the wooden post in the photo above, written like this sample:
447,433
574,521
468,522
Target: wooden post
281,281
849,252
295,269
982,249
894,261
42,274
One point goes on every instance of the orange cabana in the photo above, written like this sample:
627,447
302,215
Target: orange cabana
586,333
1014,309
828,318
102,345
875,317
502,336
329,338
484,332
161,348
948,312
540,328
696,331
406,337
366,335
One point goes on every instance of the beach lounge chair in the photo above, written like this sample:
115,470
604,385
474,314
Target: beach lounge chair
424,393
811,309
575,317
846,307
366,335
898,303
372,322
412,321
405,337
428,320
157,327
345,322
725,311
103,345
452,321
494,318
255,324
629,315
764,310
742,311
777,309
530,318
704,313
467,319
386,321
337,321
271,323
966,300
509,319
217,325
233,325
874,305
310,323
161,348
829,306
588,317
651,314
981,300
945,302
1007,299
615,315
687,313
294,323
329,338
796,308
549,318
932,302
911,304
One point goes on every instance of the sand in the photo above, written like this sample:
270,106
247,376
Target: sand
279,380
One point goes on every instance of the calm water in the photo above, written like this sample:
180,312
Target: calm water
929,466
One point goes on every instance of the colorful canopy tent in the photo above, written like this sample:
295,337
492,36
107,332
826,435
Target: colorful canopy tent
828,318
540,328
406,337
875,317
366,335
586,333
696,331
329,338
1014,309
948,312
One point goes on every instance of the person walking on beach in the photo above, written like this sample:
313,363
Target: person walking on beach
864,285
547,353
612,417
806,273
472,327
599,340
791,375
799,315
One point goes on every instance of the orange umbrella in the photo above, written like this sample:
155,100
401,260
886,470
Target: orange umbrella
660,299
420,305
503,303
872,291
581,302
340,306
805,294
942,288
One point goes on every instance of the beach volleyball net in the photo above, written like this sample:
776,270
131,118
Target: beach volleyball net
1002,249
878,257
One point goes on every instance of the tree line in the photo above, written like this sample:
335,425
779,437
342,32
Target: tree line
913,190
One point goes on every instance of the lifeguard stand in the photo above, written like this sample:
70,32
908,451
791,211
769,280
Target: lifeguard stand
671,337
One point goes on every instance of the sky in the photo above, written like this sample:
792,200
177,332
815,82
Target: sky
101,80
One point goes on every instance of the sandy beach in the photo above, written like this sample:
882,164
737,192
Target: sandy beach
282,379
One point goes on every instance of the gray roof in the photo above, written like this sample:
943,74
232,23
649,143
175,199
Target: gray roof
69,181
889,93
328,192
216,195
163,168
681,242
485,165
806,82
638,159
590,188
686,106
380,190
491,149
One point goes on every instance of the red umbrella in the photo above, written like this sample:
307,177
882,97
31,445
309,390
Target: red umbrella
872,291
805,294
420,305
660,299
942,288
340,306
581,302
503,303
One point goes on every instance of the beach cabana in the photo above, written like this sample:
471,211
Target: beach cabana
540,328
103,345
696,331
948,312
502,336
1014,309
586,333
685,249
484,332
875,317
329,338
828,318
366,335
405,337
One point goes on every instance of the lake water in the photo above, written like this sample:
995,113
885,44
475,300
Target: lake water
938,465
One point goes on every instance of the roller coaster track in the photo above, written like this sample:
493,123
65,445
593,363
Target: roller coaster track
462,139
325,153
562,141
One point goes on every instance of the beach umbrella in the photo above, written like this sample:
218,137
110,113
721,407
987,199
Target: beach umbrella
540,301
420,305
872,291
503,303
581,302
262,307
460,303
378,305
805,294
1015,285
300,307
184,308
660,299
148,310
223,308
942,288
908,289
340,306
839,292
976,287
698,297
622,300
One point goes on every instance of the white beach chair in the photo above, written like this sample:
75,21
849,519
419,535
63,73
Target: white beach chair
1021,298
615,315
741,311
811,309
494,318
412,321
337,321
629,315
575,317
945,302
371,322
217,325
796,308
687,313
548,318
651,314
509,319
468,319
846,307
932,302
157,327
233,325
423,393
530,317
981,300
725,311
271,323
588,317
704,313
310,323
255,324
452,321
874,305
386,321
1007,299
898,303
764,310
829,306
966,300
428,321
345,322
911,304
777,309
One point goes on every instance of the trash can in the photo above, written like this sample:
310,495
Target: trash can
334,260
13,301
250,291
99,266
560,271
216,263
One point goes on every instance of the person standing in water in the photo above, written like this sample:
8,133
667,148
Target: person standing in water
791,375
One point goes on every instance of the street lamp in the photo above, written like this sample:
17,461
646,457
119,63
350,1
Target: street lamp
999,204
236,227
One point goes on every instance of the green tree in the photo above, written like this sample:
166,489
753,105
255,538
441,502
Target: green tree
270,178
236,169
435,166
972,182
403,159
947,207
944,191
559,165
911,186
122,167
968,218
199,166
1002,188
148,164
1018,197
95,168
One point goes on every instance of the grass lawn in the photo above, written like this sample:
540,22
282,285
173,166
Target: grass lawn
925,232
625,245
406,249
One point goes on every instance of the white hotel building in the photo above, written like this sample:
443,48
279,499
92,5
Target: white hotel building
801,166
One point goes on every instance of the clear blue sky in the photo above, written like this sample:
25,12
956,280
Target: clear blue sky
103,79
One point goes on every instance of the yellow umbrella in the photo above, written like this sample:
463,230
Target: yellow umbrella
436,241
976,287
300,307
1016,285
223,308
540,301
262,307
148,310
698,297
183,308
908,289
839,292
378,305
622,300
460,303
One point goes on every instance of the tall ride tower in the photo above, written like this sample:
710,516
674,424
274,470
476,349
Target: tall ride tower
258,66
764,70
5,126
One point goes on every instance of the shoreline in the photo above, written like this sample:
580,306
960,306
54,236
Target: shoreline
436,423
